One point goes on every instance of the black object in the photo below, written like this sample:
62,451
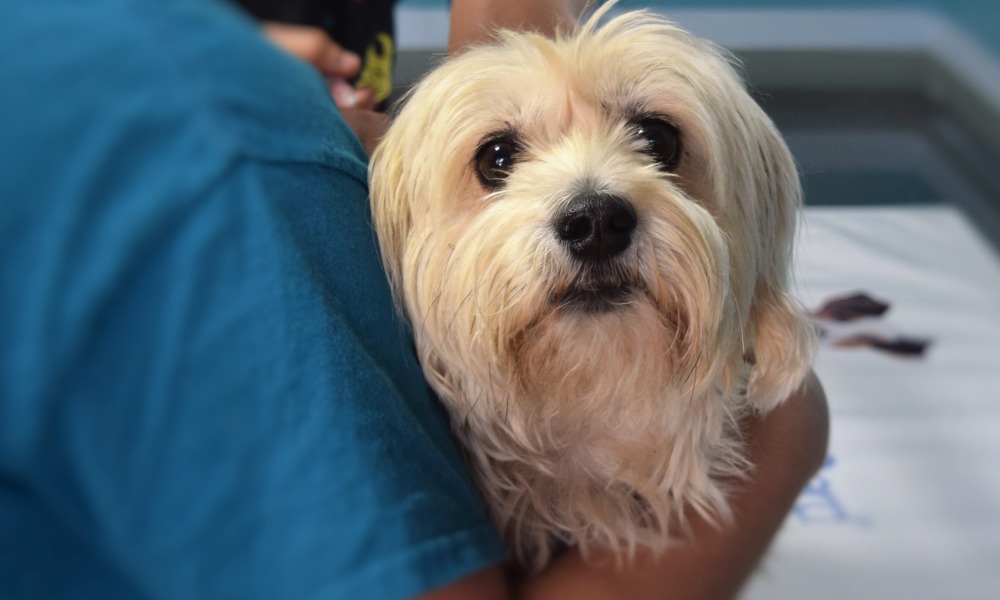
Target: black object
852,307
364,27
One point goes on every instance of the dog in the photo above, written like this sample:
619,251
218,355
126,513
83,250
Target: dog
591,239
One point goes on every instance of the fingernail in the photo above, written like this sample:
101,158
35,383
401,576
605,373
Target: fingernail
343,94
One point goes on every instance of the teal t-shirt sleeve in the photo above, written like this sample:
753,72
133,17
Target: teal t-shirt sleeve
248,420
204,389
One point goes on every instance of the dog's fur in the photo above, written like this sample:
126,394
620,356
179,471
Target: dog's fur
595,427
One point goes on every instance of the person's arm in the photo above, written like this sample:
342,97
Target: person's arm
474,21
787,446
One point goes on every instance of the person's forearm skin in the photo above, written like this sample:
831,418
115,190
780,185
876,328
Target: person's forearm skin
476,21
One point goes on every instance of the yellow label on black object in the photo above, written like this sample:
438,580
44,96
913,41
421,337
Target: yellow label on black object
377,72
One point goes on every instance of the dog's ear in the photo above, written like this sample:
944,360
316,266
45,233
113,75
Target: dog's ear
784,343
784,339
390,207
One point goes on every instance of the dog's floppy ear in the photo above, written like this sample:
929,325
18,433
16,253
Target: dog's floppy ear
784,343
784,339
390,207
757,198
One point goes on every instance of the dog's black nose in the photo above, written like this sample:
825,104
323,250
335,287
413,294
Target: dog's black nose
596,226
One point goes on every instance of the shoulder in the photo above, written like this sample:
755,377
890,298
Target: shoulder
125,122
174,188
151,70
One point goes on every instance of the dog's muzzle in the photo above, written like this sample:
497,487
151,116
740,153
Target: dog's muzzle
595,228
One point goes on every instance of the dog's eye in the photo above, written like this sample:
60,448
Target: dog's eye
663,141
494,161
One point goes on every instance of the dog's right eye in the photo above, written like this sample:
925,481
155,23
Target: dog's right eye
494,161
663,141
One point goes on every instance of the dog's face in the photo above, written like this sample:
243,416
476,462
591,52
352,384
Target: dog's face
538,201
580,230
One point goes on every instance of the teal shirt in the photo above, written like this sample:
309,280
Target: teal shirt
204,391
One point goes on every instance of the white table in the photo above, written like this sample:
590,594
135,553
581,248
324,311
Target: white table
909,503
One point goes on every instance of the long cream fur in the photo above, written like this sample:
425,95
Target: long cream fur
595,429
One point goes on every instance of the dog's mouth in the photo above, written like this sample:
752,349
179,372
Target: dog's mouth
593,297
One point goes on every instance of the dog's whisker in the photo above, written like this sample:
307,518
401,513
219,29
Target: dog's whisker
430,308
672,323
511,300
690,374
458,309
472,407
506,410
739,322
437,297
694,380
493,392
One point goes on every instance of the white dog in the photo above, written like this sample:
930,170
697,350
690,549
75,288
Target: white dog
591,238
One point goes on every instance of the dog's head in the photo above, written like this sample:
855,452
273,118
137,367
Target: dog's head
576,217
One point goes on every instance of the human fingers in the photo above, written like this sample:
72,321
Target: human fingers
347,96
315,47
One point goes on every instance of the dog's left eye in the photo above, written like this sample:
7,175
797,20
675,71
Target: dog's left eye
494,161
663,141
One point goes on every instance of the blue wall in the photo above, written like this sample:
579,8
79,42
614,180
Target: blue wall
981,18
667,4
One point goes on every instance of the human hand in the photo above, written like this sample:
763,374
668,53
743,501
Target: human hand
338,65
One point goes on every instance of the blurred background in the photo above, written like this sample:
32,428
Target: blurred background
892,109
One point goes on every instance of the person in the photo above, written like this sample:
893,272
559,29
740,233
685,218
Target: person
204,390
